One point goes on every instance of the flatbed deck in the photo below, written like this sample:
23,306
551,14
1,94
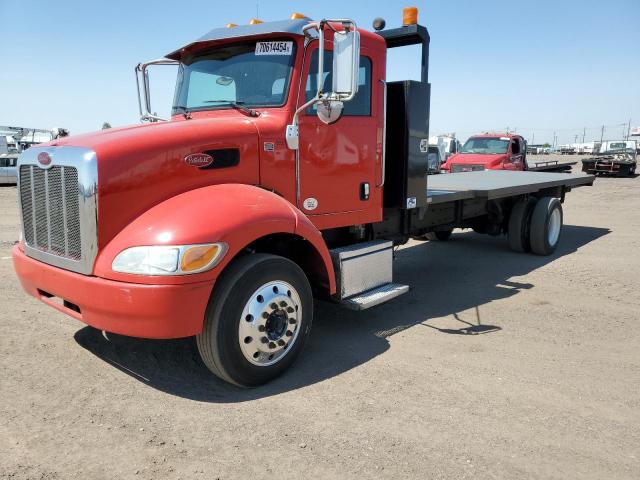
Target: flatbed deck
550,166
492,184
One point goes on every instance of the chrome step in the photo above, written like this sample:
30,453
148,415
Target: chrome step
374,296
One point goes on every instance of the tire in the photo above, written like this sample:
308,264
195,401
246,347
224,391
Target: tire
546,226
441,236
241,319
518,230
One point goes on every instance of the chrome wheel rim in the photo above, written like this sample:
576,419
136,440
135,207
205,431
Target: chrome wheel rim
270,323
555,222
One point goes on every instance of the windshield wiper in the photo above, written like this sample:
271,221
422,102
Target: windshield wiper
237,105
185,111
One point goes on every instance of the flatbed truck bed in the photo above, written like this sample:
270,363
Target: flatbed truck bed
550,166
494,184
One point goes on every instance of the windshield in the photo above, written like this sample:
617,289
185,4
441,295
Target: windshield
486,145
254,74
619,147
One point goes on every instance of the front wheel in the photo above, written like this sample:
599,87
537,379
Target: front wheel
257,321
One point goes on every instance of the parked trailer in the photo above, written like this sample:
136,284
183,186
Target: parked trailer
282,193
614,158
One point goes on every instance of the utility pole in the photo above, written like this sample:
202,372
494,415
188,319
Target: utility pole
554,139
584,133
533,137
575,138
628,130
602,134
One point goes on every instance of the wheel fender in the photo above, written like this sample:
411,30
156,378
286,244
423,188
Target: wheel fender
235,214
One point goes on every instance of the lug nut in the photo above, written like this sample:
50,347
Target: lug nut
293,321
289,333
274,306
290,310
264,340
281,342
272,345
283,303
265,315
261,328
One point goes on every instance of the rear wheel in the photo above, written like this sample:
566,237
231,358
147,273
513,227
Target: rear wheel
258,320
441,236
546,226
518,231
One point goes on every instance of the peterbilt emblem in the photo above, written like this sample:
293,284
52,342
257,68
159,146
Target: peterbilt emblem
198,160
44,159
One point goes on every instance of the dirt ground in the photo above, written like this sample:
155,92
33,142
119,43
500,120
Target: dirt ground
495,365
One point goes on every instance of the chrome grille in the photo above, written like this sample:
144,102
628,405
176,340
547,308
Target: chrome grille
464,167
50,210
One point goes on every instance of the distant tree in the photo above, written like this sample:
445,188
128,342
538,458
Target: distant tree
546,145
106,125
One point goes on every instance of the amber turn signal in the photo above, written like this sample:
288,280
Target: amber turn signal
198,257
410,16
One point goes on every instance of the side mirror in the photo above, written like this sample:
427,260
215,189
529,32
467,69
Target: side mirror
330,111
346,64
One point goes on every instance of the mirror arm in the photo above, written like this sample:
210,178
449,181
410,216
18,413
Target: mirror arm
142,80
292,136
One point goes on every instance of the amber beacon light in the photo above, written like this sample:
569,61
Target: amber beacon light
410,16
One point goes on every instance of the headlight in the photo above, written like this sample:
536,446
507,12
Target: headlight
169,260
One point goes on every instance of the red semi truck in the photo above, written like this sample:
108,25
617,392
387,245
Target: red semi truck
288,171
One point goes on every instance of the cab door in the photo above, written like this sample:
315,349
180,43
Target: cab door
516,155
340,163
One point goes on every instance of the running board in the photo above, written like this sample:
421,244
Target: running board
374,296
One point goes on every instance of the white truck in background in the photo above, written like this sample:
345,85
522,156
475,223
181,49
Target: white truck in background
447,145
14,140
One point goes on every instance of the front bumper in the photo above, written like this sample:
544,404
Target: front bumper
137,310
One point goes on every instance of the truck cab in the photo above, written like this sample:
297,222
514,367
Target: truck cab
489,151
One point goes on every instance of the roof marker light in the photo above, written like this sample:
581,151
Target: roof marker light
409,16
255,21
297,16
231,25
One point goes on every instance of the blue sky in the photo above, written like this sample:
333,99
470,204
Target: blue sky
537,66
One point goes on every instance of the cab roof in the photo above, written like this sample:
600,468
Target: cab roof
290,27
496,134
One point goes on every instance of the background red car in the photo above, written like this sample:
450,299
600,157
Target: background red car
489,151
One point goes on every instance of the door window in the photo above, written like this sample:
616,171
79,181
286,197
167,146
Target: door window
360,105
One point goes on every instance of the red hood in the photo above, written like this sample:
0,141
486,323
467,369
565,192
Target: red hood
140,166
475,159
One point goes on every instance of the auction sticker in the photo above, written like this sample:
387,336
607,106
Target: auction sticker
274,48
310,203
